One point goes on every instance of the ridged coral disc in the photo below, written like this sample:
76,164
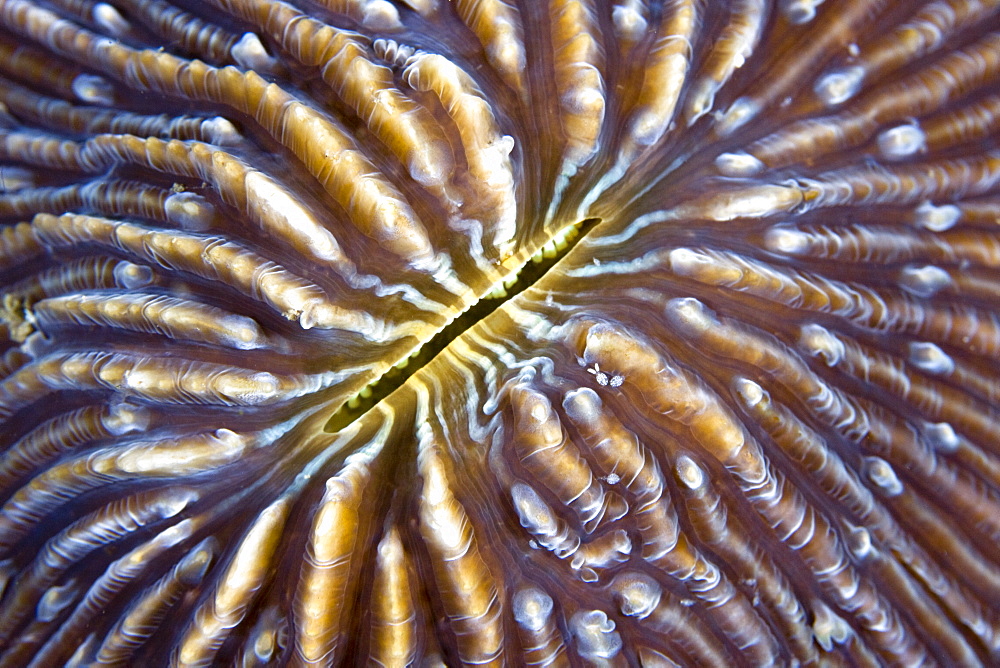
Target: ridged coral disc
741,408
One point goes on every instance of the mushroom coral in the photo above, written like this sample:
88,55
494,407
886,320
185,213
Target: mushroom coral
538,332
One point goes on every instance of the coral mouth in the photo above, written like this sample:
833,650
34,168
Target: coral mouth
520,279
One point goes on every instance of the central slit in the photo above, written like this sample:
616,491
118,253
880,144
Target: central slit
533,270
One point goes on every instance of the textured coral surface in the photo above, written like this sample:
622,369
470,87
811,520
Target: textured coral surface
263,401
